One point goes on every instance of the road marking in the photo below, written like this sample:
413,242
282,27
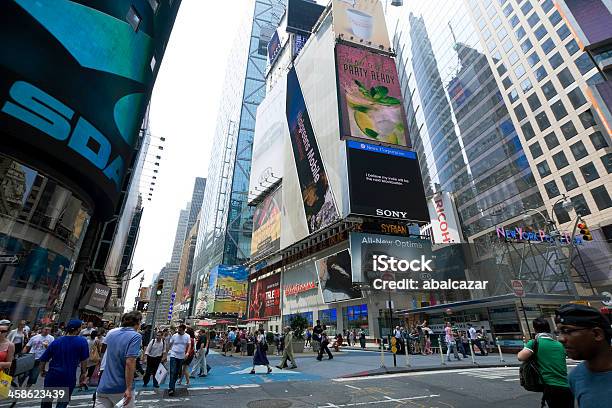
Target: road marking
350,386
417,373
386,400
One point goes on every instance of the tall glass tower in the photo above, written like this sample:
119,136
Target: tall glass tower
225,232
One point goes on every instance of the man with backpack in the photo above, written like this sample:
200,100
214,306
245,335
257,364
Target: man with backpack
549,355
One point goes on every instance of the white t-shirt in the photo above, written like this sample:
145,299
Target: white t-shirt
178,345
39,343
16,336
472,333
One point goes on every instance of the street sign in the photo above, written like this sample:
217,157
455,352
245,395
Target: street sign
8,259
517,287
143,306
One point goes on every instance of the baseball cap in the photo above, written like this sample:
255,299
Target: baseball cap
582,316
5,322
74,324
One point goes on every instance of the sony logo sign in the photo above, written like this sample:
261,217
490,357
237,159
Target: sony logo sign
383,263
391,213
42,111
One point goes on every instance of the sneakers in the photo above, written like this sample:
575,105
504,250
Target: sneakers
293,366
269,370
170,393
279,367
252,372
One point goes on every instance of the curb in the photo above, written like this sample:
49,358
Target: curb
400,370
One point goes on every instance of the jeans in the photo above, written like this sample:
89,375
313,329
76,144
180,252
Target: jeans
323,348
31,375
461,349
558,397
49,404
152,366
451,345
176,364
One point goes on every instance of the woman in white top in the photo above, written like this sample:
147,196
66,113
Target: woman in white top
155,352
17,337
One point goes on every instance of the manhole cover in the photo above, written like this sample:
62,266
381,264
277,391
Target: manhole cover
270,403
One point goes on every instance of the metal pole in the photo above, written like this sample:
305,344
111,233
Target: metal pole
472,351
501,357
406,352
382,354
525,315
441,352
569,259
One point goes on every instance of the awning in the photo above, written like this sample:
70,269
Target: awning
224,322
257,319
204,323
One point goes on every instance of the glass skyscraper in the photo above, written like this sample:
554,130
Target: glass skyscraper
224,236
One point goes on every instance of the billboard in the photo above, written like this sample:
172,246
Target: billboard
385,182
361,22
227,287
370,97
74,84
265,297
444,224
266,225
335,278
318,201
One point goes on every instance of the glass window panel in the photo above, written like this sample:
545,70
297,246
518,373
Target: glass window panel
569,181
491,45
513,57
513,96
560,160
598,140
533,19
519,71
491,10
547,5
507,82
501,69
569,130
542,121
565,77
496,55
558,110
540,32
551,189
520,112
563,32
526,8
526,46
576,97
580,205
595,79
607,162
533,58
507,45
601,197
584,63
579,150
536,150
556,60
555,18
526,85
502,33
572,47
589,172
543,169
549,90
534,102
548,46
520,32
508,10
551,140
496,21
541,73
486,34
587,119
528,131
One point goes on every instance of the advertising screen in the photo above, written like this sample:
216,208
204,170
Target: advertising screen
317,197
385,182
265,297
370,97
361,22
267,225
229,284
335,278
444,220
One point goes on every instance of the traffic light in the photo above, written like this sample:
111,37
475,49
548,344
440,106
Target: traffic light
160,287
584,230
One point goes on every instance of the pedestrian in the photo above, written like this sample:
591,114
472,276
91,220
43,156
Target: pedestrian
586,333
550,356
64,356
7,348
362,338
93,347
231,337
123,347
179,347
287,350
316,336
338,342
484,336
450,342
398,339
475,340
36,345
18,336
427,334
462,343
86,332
155,353
308,337
260,357
324,347
188,358
243,342
201,352
351,338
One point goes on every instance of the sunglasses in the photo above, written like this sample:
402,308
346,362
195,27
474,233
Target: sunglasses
567,332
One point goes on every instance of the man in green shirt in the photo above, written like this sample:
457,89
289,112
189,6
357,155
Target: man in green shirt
553,368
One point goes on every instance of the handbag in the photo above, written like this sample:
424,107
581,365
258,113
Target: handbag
161,374
22,364
5,384
531,378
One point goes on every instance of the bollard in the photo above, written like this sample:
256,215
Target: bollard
406,353
501,357
441,353
472,352
382,355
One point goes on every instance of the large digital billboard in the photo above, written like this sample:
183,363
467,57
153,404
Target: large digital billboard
227,287
74,83
267,225
317,196
335,278
385,182
265,297
361,22
370,97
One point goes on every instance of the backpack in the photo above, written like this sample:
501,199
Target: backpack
94,354
531,378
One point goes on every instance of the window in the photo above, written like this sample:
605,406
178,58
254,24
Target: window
563,32
551,140
556,60
513,96
551,189
543,169
562,215
497,22
536,150
133,18
486,34
520,33
578,150
526,8
607,162
589,172
491,45
572,47
547,6
580,205
507,82
584,63
519,71
565,77
154,5
533,19
576,97
560,160
501,69
549,90
541,73
569,181
595,79
534,102
533,58
502,33
526,46
558,110
528,131
587,119
601,197
598,140
540,32
507,45
569,130
513,57
496,56
542,121
520,112
526,85
508,10
555,18
548,46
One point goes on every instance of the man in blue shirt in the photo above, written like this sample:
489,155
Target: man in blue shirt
122,349
64,356
586,335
